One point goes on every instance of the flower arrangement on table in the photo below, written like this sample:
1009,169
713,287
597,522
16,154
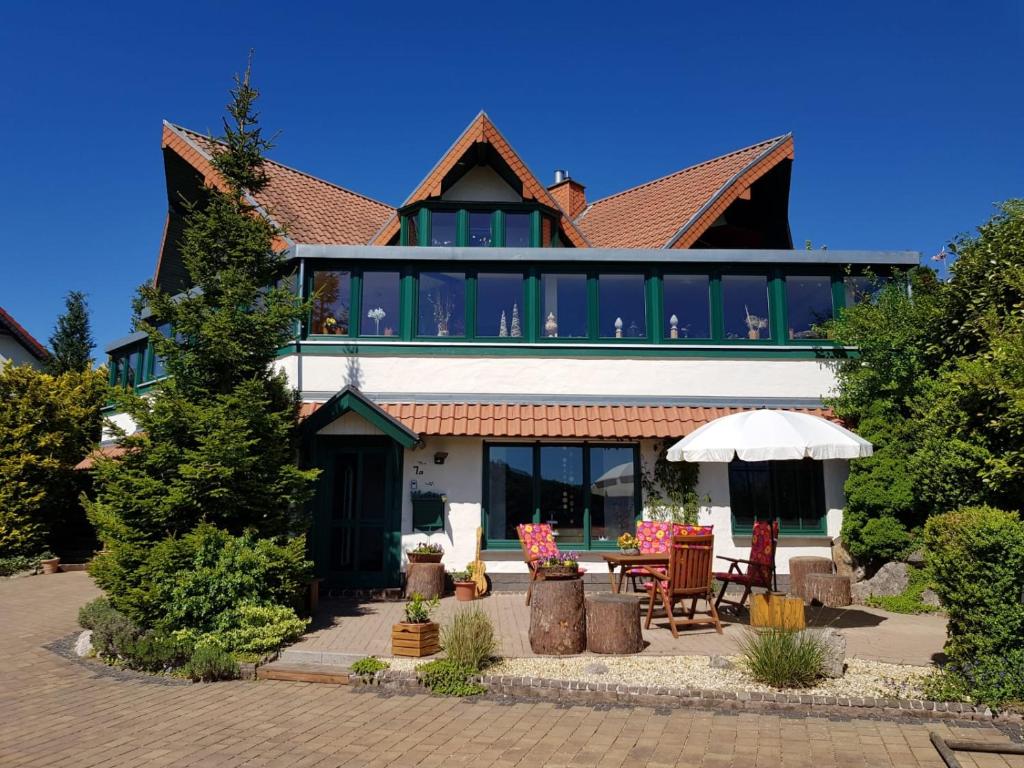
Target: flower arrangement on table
628,544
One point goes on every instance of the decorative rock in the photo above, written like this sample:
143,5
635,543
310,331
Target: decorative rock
83,645
928,597
835,643
595,668
843,560
891,579
720,662
916,557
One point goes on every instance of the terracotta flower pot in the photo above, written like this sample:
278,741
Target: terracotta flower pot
465,590
50,566
424,557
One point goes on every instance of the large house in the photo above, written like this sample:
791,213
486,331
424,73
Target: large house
18,346
498,350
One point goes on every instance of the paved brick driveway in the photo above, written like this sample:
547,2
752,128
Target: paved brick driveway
57,712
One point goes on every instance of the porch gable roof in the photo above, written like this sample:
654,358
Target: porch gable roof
351,399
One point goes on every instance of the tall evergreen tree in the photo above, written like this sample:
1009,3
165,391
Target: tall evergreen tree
216,441
72,342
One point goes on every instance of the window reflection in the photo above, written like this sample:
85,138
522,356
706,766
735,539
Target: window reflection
159,369
517,230
381,302
499,302
860,288
564,306
331,291
621,306
687,307
442,228
745,306
442,304
808,304
480,230
413,229
561,491
509,489
612,492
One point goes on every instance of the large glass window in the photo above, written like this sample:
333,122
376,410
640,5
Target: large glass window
586,493
808,304
612,492
442,304
517,230
133,368
621,306
792,492
687,307
159,369
331,296
860,288
509,489
499,304
564,306
745,306
442,228
381,304
480,229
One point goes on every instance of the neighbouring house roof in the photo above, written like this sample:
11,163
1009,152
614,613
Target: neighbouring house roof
674,210
310,210
23,337
111,451
555,421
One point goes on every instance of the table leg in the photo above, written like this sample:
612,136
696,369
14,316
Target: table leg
622,578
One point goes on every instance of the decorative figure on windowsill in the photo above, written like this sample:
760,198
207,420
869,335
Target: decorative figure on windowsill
502,326
443,307
517,330
754,324
377,314
389,331
551,326
330,325
634,329
618,327
674,327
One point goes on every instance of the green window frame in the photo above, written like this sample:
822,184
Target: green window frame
499,542
792,492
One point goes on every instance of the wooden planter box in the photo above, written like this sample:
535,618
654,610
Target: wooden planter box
415,639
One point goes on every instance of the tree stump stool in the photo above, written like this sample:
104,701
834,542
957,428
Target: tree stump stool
799,567
558,625
828,589
776,609
425,578
613,623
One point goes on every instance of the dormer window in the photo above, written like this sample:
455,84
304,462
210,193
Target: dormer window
479,225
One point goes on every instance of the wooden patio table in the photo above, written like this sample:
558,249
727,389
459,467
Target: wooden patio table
624,562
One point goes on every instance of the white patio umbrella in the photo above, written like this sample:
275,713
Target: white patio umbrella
769,435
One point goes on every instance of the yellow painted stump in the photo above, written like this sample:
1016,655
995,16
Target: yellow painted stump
415,639
775,609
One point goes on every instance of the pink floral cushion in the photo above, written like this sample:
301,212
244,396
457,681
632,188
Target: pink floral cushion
538,541
653,537
681,529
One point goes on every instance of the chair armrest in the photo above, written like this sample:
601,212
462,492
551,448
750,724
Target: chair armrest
734,560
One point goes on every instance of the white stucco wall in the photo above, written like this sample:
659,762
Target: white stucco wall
12,352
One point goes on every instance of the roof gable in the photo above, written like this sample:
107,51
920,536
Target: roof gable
673,211
23,337
482,131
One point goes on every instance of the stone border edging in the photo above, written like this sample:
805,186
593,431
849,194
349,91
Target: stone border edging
589,694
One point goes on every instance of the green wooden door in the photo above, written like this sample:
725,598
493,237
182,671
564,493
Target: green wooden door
358,526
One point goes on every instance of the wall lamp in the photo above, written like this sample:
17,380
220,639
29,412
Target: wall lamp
440,456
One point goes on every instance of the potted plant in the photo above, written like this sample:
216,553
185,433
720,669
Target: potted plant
49,563
628,544
425,553
465,587
417,635
562,566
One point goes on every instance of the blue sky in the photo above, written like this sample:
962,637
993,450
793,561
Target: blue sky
907,117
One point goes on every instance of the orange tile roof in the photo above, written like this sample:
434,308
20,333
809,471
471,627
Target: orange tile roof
558,421
310,210
26,339
676,207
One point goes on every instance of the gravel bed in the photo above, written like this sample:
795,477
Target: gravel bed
862,678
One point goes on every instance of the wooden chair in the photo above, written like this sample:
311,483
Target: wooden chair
760,571
654,537
689,577
538,543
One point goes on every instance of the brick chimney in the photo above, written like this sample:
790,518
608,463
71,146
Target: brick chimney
569,194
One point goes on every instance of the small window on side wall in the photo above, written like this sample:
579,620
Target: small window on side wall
517,230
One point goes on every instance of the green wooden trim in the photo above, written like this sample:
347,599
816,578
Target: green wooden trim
655,308
424,227
593,316
498,229
777,307
535,229
462,227
350,400
469,309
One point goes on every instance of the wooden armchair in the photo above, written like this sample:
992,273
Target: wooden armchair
688,578
654,537
760,568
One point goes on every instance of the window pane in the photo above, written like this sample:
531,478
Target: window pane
117,370
612,492
442,301
134,375
750,491
442,228
687,307
745,306
413,229
561,492
480,230
809,304
499,300
381,302
792,492
517,230
158,364
331,291
564,306
860,288
621,306
509,489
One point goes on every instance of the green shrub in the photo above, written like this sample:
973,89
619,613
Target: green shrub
975,556
883,539
997,682
18,563
909,600
468,639
368,666
418,610
210,662
784,658
251,628
157,652
113,634
93,612
449,678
